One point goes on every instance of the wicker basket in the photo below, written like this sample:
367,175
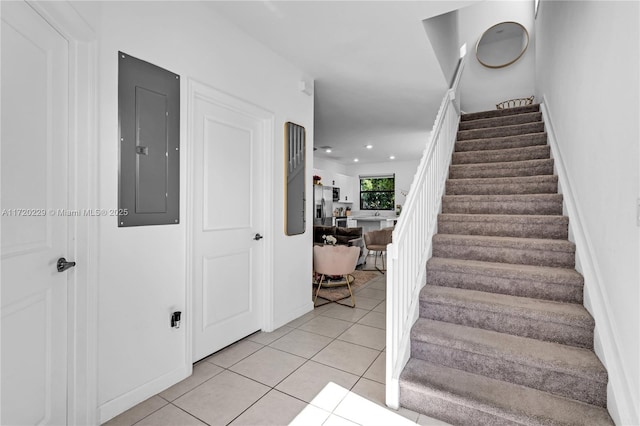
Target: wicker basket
512,103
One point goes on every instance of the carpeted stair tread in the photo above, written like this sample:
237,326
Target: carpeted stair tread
520,316
505,120
505,142
544,184
503,204
560,369
464,398
540,282
521,226
495,132
535,152
502,336
502,169
571,314
507,242
499,112
526,251
578,361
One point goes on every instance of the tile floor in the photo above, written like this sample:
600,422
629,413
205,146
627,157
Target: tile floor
324,368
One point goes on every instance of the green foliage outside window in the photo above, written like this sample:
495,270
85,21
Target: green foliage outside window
377,193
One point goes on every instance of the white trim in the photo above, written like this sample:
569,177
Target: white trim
187,153
83,234
194,90
621,400
122,403
268,223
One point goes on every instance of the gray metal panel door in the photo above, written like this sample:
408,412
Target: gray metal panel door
149,118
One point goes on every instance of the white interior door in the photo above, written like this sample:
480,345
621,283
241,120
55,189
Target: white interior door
34,89
228,210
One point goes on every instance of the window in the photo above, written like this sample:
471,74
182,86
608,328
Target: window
377,192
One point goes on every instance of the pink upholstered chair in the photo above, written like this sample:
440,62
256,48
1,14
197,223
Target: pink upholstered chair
335,261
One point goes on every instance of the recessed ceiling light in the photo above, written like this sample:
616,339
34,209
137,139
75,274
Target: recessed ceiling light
368,146
355,160
328,150
392,157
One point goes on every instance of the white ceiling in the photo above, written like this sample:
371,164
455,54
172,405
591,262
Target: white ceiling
377,80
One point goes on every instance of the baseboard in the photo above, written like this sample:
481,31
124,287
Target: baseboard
621,400
119,405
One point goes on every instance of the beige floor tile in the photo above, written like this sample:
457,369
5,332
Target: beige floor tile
429,421
378,284
377,370
366,303
310,416
373,391
382,307
372,264
303,319
326,326
368,266
345,313
362,411
275,408
301,343
319,310
221,399
346,356
318,384
266,338
371,294
170,415
364,335
138,412
268,365
334,420
234,353
374,319
202,372
408,414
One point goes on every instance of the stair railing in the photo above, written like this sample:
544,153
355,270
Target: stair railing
411,246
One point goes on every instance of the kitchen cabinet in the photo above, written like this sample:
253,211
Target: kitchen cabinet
346,185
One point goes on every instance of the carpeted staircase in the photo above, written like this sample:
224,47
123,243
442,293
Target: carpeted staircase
502,336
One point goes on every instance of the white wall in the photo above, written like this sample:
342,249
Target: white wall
142,269
481,87
322,164
404,171
588,71
443,34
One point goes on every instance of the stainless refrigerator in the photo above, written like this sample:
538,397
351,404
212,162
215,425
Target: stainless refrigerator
322,205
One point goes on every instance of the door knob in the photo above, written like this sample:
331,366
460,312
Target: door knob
258,237
63,265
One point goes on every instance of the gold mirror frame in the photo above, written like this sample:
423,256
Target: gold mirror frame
506,64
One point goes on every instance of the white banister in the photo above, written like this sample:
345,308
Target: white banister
411,247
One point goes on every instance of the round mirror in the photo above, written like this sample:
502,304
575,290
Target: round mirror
502,44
